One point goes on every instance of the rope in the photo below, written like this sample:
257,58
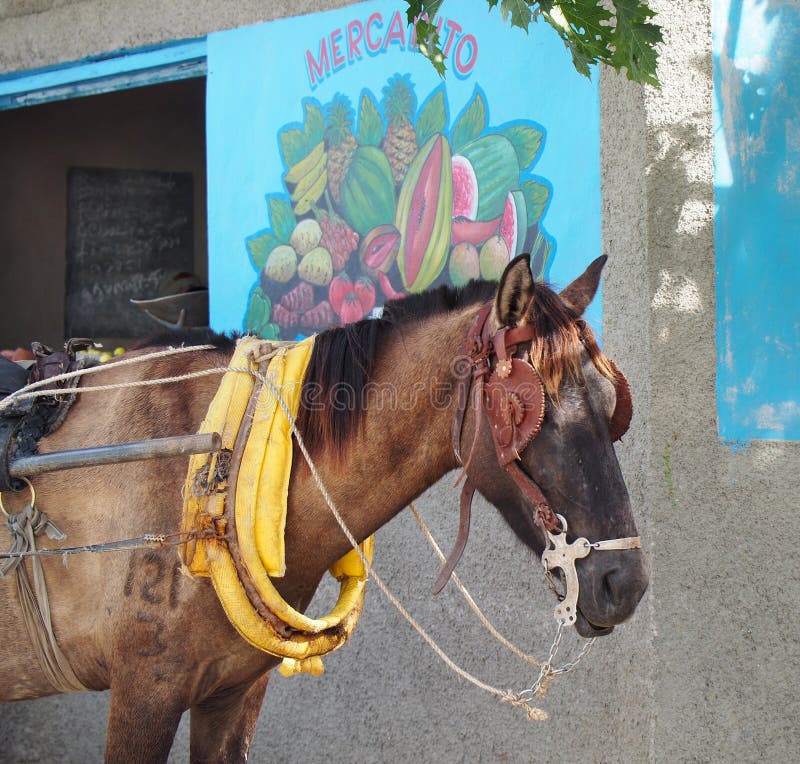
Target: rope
516,699
32,390
468,597
24,526
510,696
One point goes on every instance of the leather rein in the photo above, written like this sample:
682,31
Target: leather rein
509,392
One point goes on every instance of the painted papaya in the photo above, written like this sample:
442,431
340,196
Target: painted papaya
424,212
494,162
367,191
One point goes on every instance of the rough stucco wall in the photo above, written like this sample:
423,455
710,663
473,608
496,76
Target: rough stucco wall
43,32
705,672
725,656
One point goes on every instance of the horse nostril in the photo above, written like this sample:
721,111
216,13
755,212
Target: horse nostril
611,585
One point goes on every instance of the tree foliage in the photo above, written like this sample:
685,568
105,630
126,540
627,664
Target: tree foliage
618,33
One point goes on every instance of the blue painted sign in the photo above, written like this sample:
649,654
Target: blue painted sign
342,171
757,226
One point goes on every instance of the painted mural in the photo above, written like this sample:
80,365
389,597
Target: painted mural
757,226
356,175
389,201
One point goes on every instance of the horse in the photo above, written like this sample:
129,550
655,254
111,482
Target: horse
159,639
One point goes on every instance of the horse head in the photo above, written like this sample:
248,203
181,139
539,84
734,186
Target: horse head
548,405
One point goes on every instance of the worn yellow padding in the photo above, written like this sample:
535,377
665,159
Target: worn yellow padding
260,513
224,416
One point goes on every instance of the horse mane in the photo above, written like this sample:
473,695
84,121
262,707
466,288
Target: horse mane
343,359
558,338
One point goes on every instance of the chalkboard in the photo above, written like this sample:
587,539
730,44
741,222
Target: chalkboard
127,231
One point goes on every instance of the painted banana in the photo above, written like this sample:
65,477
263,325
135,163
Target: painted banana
314,193
309,179
298,171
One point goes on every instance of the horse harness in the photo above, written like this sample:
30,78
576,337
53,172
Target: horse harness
510,392
25,422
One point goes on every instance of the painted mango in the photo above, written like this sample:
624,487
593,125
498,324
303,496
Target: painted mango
378,250
424,211
494,162
367,190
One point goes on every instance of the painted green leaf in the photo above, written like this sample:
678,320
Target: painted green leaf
432,118
541,249
536,198
314,130
526,141
259,247
281,217
294,146
370,124
258,312
470,124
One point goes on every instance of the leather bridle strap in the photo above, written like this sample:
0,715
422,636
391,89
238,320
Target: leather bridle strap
543,514
467,492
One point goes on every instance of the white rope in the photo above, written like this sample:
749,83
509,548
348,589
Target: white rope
512,697
32,390
518,699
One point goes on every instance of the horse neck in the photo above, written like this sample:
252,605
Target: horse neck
402,449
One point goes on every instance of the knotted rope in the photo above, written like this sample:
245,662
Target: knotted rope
519,699
24,526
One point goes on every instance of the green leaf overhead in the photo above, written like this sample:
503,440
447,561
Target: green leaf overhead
618,33
518,10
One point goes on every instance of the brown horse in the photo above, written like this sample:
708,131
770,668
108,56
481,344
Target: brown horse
132,622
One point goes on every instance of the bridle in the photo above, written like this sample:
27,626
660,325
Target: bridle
510,393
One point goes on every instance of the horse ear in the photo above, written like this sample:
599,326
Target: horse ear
514,292
581,292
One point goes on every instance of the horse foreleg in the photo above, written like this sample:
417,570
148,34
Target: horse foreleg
141,726
222,726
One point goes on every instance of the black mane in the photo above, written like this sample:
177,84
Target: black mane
343,359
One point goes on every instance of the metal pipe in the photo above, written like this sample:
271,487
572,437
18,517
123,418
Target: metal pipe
180,445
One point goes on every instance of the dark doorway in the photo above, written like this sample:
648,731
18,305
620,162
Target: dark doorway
153,132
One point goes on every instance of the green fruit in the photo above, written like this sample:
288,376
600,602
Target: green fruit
494,258
424,211
316,267
367,190
306,235
464,263
496,168
281,264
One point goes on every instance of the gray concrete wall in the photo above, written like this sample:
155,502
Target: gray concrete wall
706,670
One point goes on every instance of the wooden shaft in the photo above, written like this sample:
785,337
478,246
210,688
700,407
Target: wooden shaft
180,445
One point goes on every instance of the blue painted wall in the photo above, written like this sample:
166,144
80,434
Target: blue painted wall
757,228
260,78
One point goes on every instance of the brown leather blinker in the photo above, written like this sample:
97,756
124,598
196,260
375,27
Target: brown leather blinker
623,410
515,408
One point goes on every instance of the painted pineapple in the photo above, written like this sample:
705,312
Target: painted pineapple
400,141
341,143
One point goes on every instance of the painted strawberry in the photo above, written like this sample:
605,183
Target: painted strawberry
351,302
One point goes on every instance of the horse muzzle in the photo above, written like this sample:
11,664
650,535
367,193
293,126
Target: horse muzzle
603,580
